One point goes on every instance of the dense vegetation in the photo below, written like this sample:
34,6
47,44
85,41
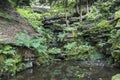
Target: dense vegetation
85,30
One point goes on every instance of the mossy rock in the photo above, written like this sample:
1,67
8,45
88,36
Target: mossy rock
117,15
116,77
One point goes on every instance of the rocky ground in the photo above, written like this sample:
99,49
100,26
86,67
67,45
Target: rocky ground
10,27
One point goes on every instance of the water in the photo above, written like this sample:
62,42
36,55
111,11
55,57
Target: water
69,70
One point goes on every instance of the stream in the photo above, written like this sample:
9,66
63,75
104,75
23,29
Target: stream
68,70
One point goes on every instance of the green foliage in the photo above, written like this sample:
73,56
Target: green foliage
69,29
116,77
12,65
44,58
54,51
117,15
94,14
75,51
35,3
96,56
16,3
32,17
100,10
104,7
9,60
5,16
23,39
38,44
102,26
12,2
61,36
118,24
78,48
115,49
103,23
69,46
7,50
2,59
80,75
100,44
25,13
